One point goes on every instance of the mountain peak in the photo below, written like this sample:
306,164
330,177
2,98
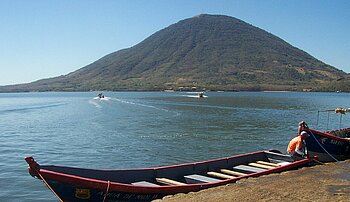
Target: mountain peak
209,51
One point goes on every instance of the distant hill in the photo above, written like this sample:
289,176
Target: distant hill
207,51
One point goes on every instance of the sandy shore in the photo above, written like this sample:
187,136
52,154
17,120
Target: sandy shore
328,182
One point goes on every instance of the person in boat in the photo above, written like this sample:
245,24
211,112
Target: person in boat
297,146
302,126
100,95
201,94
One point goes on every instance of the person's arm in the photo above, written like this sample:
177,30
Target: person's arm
300,148
299,151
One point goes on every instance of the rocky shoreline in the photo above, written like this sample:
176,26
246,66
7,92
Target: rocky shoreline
327,182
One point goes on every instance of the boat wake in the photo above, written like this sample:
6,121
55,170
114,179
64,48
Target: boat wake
93,102
97,100
140,104
98,103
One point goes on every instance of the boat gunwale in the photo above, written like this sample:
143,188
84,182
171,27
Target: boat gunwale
329,135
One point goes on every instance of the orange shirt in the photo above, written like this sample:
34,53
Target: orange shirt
295,143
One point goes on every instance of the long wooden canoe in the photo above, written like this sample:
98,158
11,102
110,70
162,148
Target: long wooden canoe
146,184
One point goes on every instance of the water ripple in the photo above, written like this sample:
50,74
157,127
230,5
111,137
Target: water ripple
31,107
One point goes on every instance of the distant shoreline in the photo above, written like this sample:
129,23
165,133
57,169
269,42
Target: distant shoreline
171,91
167,90
278,91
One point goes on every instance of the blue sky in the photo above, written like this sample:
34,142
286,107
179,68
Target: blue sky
48,38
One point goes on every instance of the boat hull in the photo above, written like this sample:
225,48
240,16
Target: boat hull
78,184
73,193
337,148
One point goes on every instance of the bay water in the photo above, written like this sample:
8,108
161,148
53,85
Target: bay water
146,129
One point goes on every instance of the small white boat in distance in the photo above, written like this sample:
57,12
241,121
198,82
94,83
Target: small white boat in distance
201,95
196,95
100,96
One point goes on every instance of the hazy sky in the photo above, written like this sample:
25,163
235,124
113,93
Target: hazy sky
47,38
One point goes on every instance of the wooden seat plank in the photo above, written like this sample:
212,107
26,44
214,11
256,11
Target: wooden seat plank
231,172
169,181
268,163
279,162
220,175
277,154
145,183
249,168
283,163
261,166
195,179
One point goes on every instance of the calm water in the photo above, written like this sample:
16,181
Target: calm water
136,129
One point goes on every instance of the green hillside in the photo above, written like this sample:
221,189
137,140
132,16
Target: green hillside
207,51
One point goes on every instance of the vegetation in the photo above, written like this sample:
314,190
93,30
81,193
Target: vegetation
207,51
